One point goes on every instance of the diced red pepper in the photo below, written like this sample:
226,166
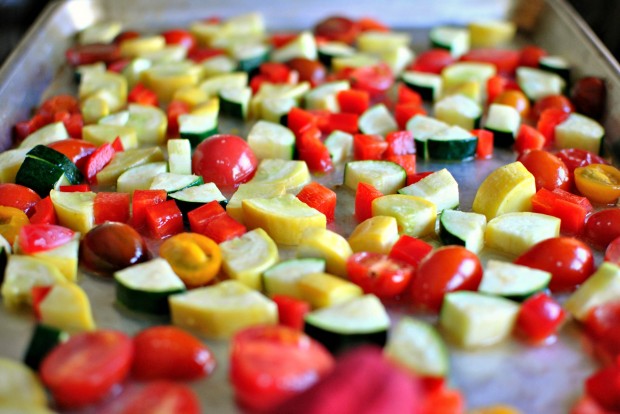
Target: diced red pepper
140,94
412,179
375,80
403,112
176,109
322,119
201,54
59,104
211,220
407,161
505,60
275,72
117,144
142,199
311,149
76,188
73,123
549,119
320,198
257,81
495,86
353,101
530,56
118,65
97,161
443,400
368,147
44,212
399,143
604,387
199,217
291,311
111,207
164,219
299,120
484,149
432,61
406,95
364,196
568,207
528,138
539,318
280,39
368,23
410,250
38,294
346,122
77,150
25,128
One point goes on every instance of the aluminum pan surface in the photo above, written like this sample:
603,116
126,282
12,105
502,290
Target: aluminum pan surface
509,373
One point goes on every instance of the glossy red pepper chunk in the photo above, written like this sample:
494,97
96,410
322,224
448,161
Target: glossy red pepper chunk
141,200
291,311
211,220
110,206
320,198
364,196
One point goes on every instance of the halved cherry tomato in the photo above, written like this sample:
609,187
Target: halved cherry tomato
505,60
180,37
195,258
84,369
337,28
40,237
167,352
548,170
269,364
599,182
552,101
432,61
76,150
43,212
368,23
225,160
309,70
539,318
570,261
589,96
530,56
516,99
152,397
92,53
612,253
375,80
587,405
379,274
18,196
602,324
445,270
11,221
575,157
602,227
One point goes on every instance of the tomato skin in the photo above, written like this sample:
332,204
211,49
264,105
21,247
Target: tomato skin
602,324
612,253
575,157
149,398
84,369
529,138
589,96
600,183
530,56
41,237
225,160
87,54
375,80
379,274
167,352
18,196
505,60
432,61
270,364
549,171
309,70
552,101
602,227
516,99
410,250
447,269
539,318
604,387
76,150
337,28
180,37
570,261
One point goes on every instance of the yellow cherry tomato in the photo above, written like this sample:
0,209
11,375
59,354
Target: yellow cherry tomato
195,258
600,183
11,221
516,99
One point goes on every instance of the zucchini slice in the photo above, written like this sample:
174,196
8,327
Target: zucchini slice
283,278
44,338
195,196
415,216
294,175
417,346
304,46
538,83
428,85
601,287
197,127
330,50
218,65
45,169
422,127
214,85
461,72
361,320
515,233
252,190
271,140
125,160
140,177
145,287
179,156
512,281
149,122
454,143
579,131
249,55
453,39
491,33
385,176
119,119
99,134
172,182
458,110
504,121
235,101
46,135
340,146
168,77
11,160
557,65
100,32
377,120
276,109
463,229
324,96
440,188
374,41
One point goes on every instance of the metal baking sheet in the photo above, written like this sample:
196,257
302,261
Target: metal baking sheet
536,380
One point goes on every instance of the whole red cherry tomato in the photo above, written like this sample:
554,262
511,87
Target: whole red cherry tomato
445,270
378,274
602,227
612,253
589,96
570,261
575,157
603,325
432,61
530,56
551,101
549,171
539,318
337,28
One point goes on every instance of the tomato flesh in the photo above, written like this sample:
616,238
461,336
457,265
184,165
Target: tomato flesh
153,397
600,183
379,274
445,270
41,237
18,196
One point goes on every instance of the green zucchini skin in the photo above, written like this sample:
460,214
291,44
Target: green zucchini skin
144,301
337,343
195,139
39,175
59,159
44,339
502,139
452,150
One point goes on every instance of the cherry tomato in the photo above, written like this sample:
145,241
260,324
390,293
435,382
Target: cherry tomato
41,237
225,160
18,196
269,364
432,61
600,183
602,227
153,397
574,157
548,170
516,99
569,261
84,369
552,101
530,56
93,53
505,60
337,28
445,270
309,70
587,405
58,104
378,274
200,54
76,150
375,80
612,253
180,37
539,318
167,352
126,35
604,387
589,96
602,324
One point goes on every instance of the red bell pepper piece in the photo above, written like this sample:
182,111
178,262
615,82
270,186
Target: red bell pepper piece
364,196
164,219
406,95
320,198
539,318
140,94
44,212
412,179
142,199
368,23
432,61
368,147
322,119
291,311
73,123
549,119
118,65
604,387
280,39
76,188
200,54
111,207
399,143
569,208
311,149
353,101
77,150
38,294
495,86
299,120
528,138
505,60
257,81
211,220
25,128
199,217
275,72
407,161
176,109
403,112
117,144
484,149
346,122
410,250
530,55
443,400
97,161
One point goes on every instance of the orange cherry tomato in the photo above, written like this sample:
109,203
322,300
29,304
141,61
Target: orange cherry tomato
516,99
600,183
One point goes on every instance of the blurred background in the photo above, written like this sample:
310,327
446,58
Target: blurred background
17,15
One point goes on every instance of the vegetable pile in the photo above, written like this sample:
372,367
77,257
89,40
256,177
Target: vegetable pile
140,180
